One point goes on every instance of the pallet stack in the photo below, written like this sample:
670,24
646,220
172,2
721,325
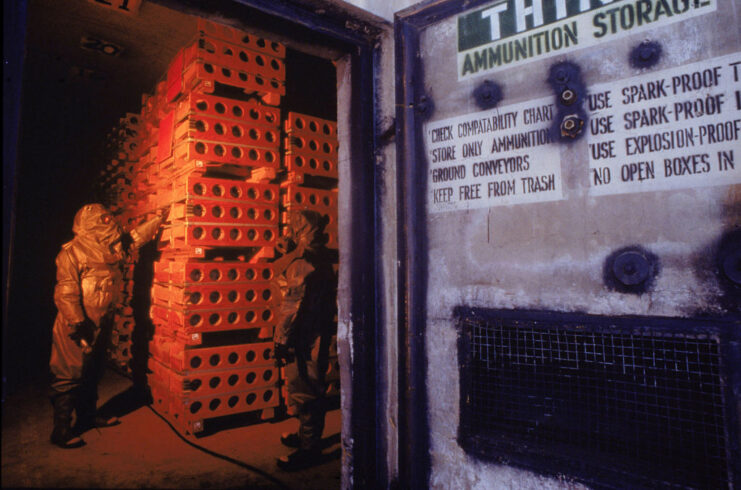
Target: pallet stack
214,295
118,181
207,147
310,164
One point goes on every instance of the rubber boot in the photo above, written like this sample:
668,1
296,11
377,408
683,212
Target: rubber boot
87,414
85,406
311,423
290,439
307,440
62,435
300,459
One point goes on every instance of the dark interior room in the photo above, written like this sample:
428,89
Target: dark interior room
78,68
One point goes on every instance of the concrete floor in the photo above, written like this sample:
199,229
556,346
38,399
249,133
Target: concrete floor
144,452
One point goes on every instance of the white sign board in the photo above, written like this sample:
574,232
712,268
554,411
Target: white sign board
497,157
672,129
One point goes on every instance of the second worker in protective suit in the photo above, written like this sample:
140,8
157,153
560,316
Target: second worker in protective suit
306,323
89,281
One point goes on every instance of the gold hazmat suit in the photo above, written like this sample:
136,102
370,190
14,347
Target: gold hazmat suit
87,293
89,282
304,329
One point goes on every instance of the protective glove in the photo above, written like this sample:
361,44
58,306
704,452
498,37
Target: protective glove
83,333
284,244
283,354
163,212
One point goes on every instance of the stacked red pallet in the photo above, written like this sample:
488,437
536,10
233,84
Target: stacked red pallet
310,162
118,178
206,146
218,147
195,298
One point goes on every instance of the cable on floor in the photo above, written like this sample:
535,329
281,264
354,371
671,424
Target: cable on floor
224,457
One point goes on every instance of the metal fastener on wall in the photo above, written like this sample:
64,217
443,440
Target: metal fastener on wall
569,89
571,126
424,107
488,94
727,267
568,97
631,270
645,55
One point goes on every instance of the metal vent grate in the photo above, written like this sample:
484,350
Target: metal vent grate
624,406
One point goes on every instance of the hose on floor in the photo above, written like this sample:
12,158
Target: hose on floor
224,457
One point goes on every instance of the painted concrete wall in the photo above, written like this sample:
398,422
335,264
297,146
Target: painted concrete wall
387,289
383,8
549,254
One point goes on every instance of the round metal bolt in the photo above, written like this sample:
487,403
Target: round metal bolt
571,125
568,97
561,75
732,266
631,268
487,95
423,105
646,52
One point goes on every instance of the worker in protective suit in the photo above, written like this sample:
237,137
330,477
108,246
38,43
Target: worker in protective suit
306,323
89,282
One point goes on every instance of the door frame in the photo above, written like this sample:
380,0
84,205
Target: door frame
367,467
357,36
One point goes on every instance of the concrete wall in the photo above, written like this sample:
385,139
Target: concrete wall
387,287
385,170
548,253
383,8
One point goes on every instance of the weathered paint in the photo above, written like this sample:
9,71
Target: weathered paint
551,255
382,8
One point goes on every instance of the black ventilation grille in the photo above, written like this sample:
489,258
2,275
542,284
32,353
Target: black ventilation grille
621,403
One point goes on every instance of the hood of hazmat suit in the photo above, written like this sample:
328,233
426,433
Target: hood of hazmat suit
98,231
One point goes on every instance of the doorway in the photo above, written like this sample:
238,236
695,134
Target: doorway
91,107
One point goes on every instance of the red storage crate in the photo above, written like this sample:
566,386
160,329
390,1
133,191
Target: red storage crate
187,236
248,112
182,359
219,52
224,212
191,271
214,382
301,163
225,153
218,130
200,76
297,123
209,296
236,36
188,413
188,321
